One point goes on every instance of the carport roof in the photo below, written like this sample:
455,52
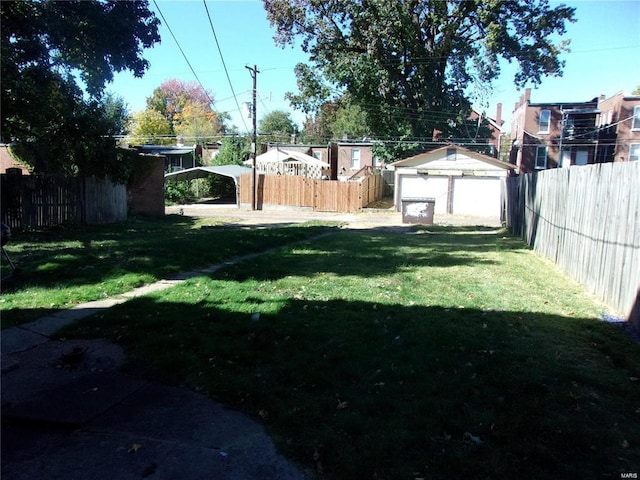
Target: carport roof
233,171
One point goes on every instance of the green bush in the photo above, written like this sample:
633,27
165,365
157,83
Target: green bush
178,192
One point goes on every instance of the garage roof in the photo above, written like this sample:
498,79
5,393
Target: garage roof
441,153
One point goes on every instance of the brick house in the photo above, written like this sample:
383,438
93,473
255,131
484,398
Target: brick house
551,135
494,124
619,128
561,134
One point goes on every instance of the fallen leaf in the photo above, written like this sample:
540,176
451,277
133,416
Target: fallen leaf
135,447
472,438
342,405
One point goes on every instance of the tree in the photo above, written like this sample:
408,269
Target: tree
233,151
149,127
50,52
408,63
186,105
337,120
636,91
277,126
198,123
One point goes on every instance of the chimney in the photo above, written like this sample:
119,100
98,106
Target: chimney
499,114
527,94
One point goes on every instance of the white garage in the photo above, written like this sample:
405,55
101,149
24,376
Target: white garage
461,181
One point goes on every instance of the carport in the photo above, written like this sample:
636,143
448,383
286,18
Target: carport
231,171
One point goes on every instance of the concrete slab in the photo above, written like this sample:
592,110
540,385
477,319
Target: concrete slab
74,402
16,339
124,456
47,326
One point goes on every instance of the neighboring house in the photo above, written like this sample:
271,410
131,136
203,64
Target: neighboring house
477,124
8,162
353,157
494,124
325,153
619,128
281,161
176,158
551,135
345,157
460,180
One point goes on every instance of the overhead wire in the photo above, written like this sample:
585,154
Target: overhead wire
211,102
224,65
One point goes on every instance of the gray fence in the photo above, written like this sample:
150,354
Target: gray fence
587,220
41,201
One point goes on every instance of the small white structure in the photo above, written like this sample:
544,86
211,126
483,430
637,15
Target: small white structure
461,181
279,161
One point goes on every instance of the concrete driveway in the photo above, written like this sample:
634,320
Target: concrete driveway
368,218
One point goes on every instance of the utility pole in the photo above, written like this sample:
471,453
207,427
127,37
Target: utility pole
254,144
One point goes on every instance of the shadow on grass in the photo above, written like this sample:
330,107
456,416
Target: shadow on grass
395,391
367,253
155,247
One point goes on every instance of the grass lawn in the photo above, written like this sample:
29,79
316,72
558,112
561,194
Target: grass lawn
64,267
435,354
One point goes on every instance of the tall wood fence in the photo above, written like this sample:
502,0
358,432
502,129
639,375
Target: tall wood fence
319,195
587,220
40,201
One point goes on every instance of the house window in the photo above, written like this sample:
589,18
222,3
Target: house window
377,162
541,158
634,152
355,158
635,124
545,121
317,155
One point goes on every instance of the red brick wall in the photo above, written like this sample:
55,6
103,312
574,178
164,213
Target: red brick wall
146,193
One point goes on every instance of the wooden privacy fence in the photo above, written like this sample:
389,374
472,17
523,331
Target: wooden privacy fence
319,195
40,201
587,220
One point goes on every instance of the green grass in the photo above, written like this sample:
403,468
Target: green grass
442,353
63,267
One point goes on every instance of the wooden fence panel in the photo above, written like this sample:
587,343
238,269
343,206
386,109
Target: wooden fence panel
319,195
104,201
42,201
587,220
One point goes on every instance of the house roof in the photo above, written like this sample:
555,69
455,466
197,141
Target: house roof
232,171
441,152
281,155
165,150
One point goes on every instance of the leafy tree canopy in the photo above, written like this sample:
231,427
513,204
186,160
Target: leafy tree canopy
407,64
149,127
52,51
277,126
188,109
336,120
233,151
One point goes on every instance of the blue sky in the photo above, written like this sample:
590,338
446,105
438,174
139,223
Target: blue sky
604,58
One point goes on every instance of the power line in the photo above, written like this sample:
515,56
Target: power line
224,65
211,102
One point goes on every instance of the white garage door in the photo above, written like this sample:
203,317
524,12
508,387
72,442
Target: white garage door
424,186
476,196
